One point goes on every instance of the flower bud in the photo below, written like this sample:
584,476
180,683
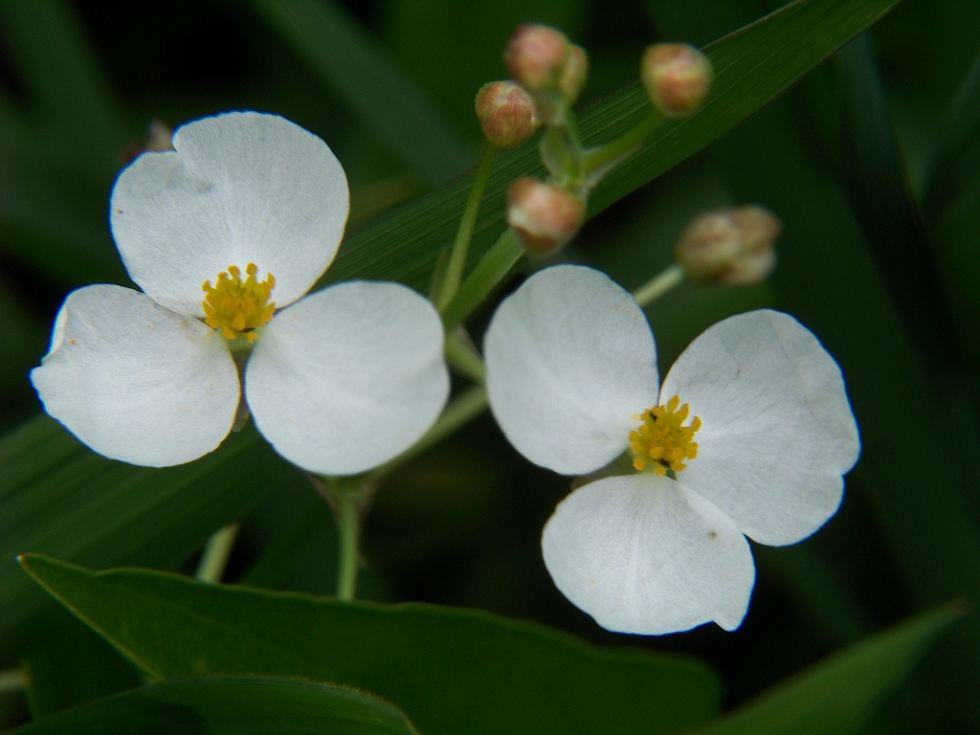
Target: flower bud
677,77
544,216
574,73
536,56
159,137
730,246
506,114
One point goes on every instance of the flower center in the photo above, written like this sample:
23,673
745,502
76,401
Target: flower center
238,307
661,443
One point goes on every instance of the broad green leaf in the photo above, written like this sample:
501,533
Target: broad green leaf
60,498
70,665
119,514
230,705
835,695
451,671
355,65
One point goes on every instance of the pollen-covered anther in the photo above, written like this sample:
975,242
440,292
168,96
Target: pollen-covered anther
661,442
238,308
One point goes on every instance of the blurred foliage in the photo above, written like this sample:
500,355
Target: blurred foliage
871,162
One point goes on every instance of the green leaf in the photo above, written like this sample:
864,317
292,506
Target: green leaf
60,498
452,671
353,64
230,705
70,665
835,695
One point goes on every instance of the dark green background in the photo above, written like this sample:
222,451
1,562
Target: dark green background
871,163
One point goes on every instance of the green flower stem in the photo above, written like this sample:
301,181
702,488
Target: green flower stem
601,158
216,553
493,267
659,285
12,680
461,245
462,355
349,529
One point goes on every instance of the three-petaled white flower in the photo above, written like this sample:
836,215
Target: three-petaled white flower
338,382
573,383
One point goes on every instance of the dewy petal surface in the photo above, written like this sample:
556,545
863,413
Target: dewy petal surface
242,187
643,554
349,377
570,363
777,430
135,381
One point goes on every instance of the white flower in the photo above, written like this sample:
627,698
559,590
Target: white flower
572,378
339,382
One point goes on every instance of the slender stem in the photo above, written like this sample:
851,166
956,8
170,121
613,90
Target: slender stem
619,148
12,680
348,528
461,355
216,553
493,267
461,245
659,285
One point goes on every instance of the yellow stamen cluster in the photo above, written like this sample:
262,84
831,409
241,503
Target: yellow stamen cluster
239,307
661,443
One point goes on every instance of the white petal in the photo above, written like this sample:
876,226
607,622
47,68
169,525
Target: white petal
643,554
135,381
349,377
241,187
570,363
777,430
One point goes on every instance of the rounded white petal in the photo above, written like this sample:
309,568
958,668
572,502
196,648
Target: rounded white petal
643,554
135,381
240,188
570,363
349,377
777,430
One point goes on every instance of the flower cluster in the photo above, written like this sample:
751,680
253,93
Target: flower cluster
747,437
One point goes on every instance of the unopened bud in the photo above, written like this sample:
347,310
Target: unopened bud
677,77
536,56
506,114
544,216
574,74
730,246
159,137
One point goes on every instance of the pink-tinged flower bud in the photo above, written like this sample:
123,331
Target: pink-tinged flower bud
506,114
676,76
544,216
574,74
730,246
536,56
